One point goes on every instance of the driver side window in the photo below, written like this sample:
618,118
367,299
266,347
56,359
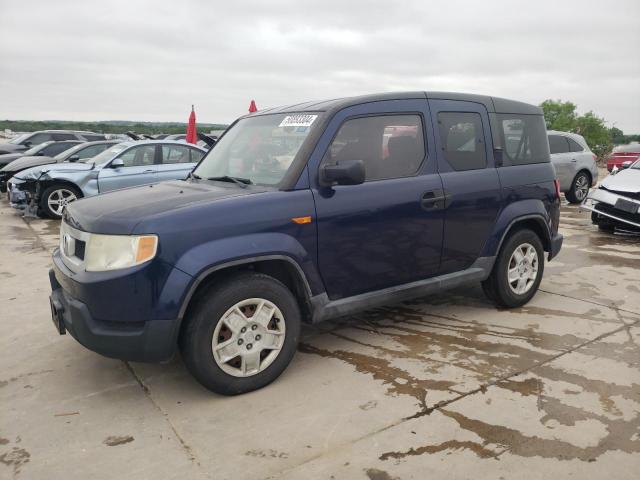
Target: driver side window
139,156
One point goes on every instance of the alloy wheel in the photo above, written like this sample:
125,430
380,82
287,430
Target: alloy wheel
523,269
248,337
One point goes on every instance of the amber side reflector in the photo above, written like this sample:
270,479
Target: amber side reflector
146,248
301,220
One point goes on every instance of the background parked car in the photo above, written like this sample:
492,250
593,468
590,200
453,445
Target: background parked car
123,165
28,140
575,164
26,161
46,149
79,151
622,154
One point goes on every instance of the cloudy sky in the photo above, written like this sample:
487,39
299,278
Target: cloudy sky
150,60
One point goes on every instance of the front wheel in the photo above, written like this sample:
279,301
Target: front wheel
55,198
518,270
241,334
579,188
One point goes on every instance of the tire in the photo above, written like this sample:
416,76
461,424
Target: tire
212,361
498,288
63,193
579,188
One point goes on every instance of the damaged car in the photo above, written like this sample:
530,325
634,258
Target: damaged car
48,189
616,204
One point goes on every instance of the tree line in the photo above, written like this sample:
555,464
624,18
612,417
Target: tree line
601,139
150,128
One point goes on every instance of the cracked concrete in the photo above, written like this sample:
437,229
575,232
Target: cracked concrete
443,386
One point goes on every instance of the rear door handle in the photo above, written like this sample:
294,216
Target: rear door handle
434,200
148,171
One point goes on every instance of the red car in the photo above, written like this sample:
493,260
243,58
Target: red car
623,153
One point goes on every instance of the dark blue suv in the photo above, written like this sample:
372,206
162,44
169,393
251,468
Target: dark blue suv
305,213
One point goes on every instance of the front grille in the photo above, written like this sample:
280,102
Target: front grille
611,210
635,196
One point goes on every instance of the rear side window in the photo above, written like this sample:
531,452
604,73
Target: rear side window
139,156
558,144
175,154
462,139
524,139
196,155
574,146
391,146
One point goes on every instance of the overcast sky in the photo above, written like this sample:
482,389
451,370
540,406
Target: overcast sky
150,60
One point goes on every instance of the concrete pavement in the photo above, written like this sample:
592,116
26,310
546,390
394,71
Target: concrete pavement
445,386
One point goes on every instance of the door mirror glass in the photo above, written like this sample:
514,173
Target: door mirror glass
346,172
626,165
117,163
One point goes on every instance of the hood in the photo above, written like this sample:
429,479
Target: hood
7,158
11,148
627,180
120,211
36,172
27,162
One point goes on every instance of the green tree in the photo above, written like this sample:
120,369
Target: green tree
562,116
617,136
559,115
595,132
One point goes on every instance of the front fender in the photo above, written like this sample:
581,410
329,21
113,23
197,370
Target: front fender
533,209
207,257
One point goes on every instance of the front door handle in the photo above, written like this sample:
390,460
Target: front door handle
148,171
434,200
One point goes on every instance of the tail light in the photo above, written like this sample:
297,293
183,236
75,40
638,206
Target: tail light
556,183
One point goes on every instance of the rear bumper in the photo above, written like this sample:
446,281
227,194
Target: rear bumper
139,341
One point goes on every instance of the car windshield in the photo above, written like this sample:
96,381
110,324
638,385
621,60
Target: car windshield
258,150
19,138
108,154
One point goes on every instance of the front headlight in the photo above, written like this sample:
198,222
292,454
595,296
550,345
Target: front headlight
111,252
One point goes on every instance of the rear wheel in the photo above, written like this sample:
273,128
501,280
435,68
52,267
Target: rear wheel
579,188
55,198
242,334
518,270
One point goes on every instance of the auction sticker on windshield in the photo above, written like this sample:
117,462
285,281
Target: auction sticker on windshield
298,120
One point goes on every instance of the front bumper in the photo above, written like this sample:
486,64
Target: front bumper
139,341
20,193
614,207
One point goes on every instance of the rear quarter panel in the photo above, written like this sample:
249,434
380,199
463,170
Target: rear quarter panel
527,192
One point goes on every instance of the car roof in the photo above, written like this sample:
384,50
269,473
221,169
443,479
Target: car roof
575,136
492,104
161,142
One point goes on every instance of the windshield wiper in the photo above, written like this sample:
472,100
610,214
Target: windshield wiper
243,182
193,175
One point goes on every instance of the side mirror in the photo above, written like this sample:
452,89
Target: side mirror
117,163
73,158
626,165
27,144
348,172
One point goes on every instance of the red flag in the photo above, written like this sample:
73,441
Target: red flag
192,134
252,107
